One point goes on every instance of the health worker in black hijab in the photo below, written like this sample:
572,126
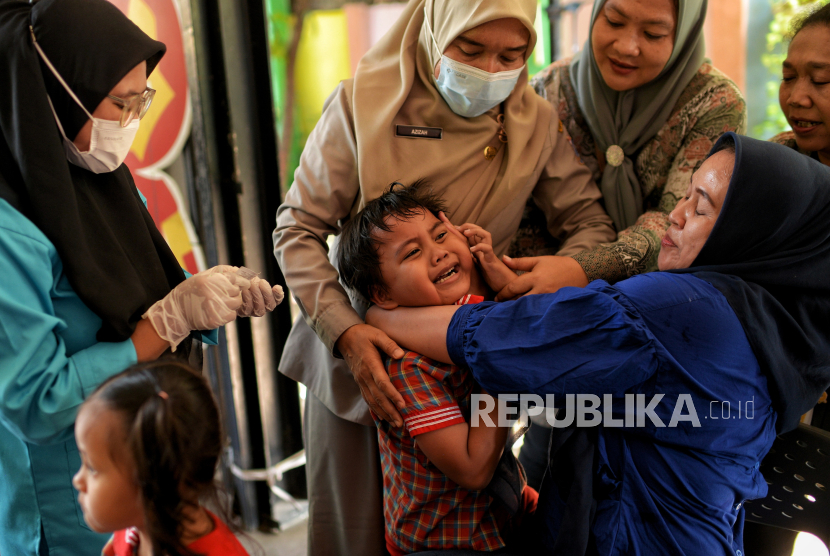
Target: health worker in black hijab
82,261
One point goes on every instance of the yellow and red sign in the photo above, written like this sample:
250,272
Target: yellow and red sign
164,129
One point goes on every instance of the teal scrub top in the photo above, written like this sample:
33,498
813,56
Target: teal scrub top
50,361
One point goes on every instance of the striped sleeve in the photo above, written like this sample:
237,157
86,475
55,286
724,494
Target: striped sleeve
433,420
429,404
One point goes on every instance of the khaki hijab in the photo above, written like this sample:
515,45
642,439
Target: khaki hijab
394,84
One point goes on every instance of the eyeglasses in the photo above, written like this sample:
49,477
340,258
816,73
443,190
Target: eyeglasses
134,106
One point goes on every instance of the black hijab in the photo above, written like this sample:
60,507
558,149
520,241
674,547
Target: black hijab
769,254
112,253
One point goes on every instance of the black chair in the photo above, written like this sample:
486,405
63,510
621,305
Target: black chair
797,470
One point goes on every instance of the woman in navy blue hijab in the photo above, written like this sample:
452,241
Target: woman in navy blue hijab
714,357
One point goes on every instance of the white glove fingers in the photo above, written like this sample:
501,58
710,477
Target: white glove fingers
267,296
258,297
279,295
247,306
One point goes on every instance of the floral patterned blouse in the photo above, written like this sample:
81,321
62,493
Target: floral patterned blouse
710,106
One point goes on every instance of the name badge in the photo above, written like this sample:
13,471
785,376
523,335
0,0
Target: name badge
418,132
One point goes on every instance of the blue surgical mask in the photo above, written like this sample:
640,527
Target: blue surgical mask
469,91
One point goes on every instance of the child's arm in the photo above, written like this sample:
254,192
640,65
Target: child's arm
496,273
467,455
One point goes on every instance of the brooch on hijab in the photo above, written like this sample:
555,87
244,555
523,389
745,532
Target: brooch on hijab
502,134
490,152
614,155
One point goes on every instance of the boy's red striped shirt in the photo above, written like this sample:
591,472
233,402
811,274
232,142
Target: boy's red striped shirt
423,508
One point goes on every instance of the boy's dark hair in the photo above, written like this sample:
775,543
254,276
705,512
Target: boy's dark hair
820,16
175,438
357,256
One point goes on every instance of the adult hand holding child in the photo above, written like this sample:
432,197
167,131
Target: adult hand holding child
359,346
541,274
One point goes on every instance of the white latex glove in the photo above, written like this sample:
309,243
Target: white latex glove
260,298
205,301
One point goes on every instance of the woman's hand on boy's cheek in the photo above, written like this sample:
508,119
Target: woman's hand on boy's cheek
542,275
495,272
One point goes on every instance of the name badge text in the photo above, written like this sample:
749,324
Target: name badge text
419,132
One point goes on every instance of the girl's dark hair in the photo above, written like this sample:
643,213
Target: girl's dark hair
357,255
175,438
819,16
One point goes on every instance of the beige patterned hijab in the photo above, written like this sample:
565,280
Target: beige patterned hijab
394,85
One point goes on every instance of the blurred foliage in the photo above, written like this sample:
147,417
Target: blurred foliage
784,14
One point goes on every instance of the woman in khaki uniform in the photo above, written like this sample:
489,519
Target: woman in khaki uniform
443,96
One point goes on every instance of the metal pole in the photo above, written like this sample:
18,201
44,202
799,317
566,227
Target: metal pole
271,400
216,185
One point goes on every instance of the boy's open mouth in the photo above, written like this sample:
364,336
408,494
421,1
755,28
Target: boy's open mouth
447,275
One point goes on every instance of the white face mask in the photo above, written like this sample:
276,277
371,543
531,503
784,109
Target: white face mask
109,143
469,91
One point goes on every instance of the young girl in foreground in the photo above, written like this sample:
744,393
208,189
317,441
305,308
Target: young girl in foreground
150,439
